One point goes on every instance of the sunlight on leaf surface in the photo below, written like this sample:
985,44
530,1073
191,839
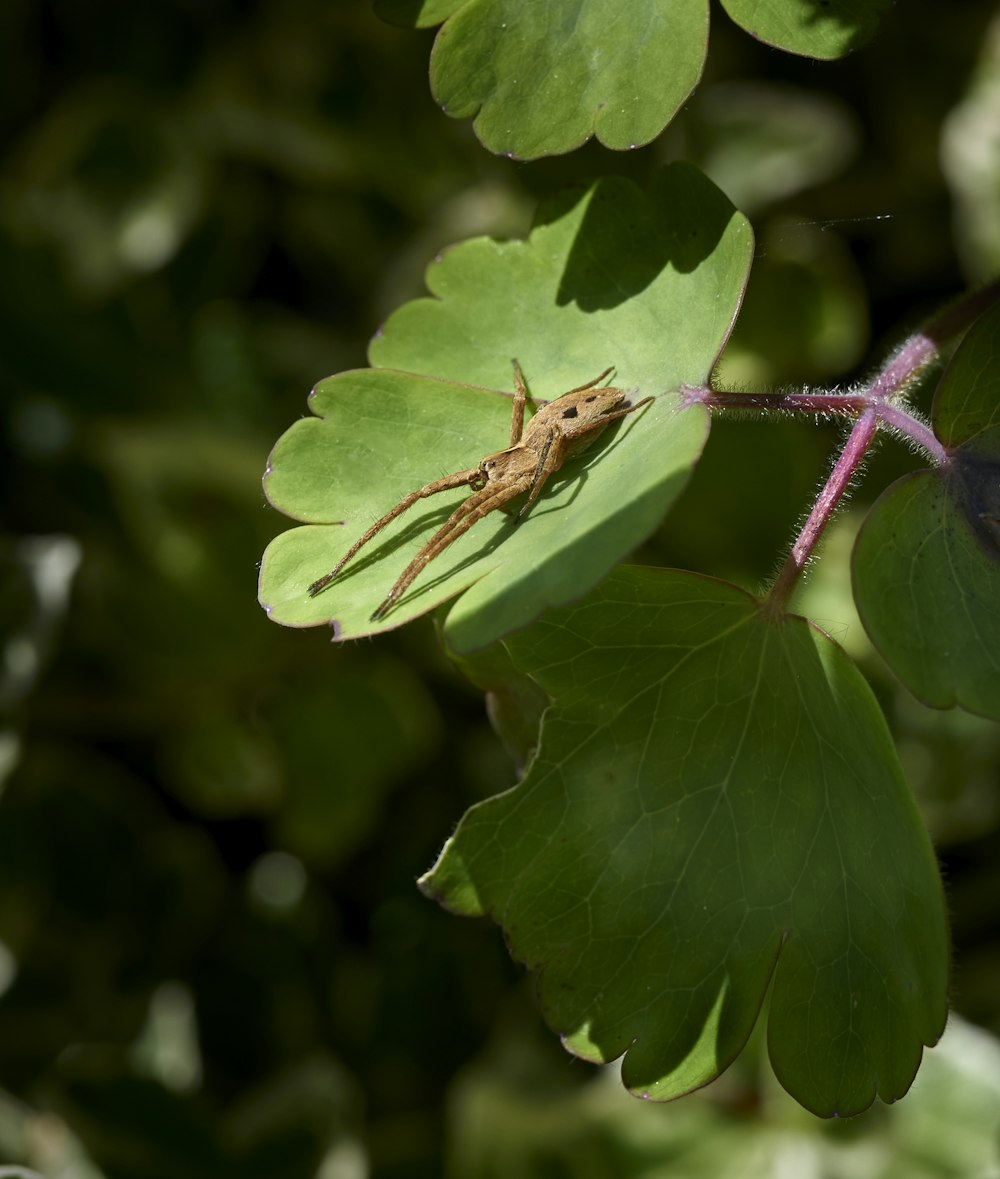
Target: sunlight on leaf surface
543,78
540,79
610,276
715,802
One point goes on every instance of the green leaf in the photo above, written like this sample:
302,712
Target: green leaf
609,276
715,808
926,563
543,78
825,29
967,402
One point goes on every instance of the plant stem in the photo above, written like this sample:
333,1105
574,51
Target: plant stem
828,501
882,402
889,382
845,404
904,422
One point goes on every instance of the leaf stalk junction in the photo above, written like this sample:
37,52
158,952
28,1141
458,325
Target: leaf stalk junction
881,404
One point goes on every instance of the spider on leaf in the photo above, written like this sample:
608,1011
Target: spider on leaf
560,429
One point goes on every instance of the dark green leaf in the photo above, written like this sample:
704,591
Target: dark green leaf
927,560
967,401
715,808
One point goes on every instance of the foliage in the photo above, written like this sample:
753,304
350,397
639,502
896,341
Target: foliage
544,78
616,906
703,821
927,562
212,955
605,272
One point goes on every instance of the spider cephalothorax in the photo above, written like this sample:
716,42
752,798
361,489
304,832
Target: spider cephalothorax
560,429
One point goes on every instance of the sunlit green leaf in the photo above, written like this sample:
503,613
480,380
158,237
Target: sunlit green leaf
539,79
715,809
543,78
609,276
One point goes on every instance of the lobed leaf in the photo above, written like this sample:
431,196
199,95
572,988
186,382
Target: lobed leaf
609,276
926,565
539,79
715,809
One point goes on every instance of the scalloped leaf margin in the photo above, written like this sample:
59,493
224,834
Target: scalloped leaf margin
647,282
716,811
542,78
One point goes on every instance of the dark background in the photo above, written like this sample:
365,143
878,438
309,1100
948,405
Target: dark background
215,961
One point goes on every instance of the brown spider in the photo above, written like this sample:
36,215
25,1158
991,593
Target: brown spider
560,429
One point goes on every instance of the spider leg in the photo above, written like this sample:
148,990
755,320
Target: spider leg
520,397
542,471
459,479
590,384
468,513
521,394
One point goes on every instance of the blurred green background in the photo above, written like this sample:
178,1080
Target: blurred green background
213,958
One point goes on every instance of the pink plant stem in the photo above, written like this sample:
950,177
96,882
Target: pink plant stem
888,382
835,488
871,406
899,419
847,404
901,368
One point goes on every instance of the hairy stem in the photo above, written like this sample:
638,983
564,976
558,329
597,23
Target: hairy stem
806,402
881,403
828,501
904,422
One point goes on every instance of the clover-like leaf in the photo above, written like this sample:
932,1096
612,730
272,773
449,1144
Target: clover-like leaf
926,564
609,276
715,810
542,78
